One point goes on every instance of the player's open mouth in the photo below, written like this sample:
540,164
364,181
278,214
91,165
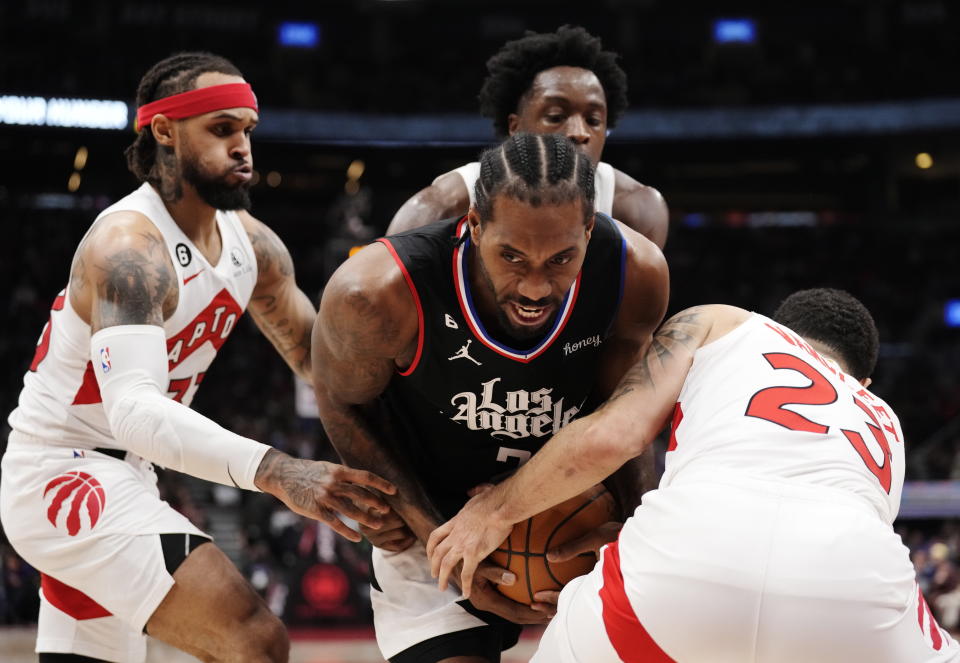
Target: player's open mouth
529,315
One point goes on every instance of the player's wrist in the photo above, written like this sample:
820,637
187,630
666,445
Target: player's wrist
495,509
267,477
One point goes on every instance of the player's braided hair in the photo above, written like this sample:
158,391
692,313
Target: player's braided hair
837,319
513,68
173,75
538,169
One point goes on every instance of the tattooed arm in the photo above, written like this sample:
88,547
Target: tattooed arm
281,310
588,449
122,274
367,329
123,282
645,292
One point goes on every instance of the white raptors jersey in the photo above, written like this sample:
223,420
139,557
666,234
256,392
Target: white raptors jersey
761,401
603,184
60,401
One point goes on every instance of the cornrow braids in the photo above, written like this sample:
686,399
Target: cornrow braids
523,158
560,165
537,169
513,68
173,75
838,320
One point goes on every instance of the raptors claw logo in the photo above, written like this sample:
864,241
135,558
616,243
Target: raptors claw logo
84,490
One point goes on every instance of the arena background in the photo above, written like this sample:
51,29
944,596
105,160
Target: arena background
796,146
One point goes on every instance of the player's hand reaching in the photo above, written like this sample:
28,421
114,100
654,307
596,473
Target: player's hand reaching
393,534
484,596
591,542
466,539
320,490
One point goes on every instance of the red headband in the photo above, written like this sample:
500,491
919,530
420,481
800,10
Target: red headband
197,102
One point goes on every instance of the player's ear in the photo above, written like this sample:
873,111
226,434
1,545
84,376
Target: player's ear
589,225
162,128
513,121
866,382
473,220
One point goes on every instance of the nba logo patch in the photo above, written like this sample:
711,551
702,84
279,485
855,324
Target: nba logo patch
105,359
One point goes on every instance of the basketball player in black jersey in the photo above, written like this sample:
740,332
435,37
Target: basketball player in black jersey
446,356
553,82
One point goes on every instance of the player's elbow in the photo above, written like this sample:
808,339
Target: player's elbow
138,422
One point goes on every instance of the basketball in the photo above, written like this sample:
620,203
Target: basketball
524,552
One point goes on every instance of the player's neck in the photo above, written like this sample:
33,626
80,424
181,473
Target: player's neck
197,220
195,217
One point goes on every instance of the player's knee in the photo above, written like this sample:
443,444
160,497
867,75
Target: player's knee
277,641
259,638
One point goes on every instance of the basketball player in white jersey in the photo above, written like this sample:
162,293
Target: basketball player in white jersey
553,82
770,537
156,286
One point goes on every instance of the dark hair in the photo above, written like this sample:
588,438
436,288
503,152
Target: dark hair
538,169
838,320
513,68
177,73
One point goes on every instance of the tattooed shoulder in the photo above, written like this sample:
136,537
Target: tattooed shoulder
270,251
135,279
678,338
686,327
368,308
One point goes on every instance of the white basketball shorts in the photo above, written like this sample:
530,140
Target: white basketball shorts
410,611
90,524
751,571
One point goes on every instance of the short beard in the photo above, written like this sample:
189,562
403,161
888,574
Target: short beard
515,333
212,189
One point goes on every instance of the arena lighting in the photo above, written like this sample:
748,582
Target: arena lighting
57,112
734,31
951,313
295,34
923,160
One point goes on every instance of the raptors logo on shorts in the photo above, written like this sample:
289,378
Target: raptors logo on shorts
72,495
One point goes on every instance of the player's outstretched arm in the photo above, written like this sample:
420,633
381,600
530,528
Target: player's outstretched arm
127,287
446,197
367,328
646,291
281,310
641,208
582,453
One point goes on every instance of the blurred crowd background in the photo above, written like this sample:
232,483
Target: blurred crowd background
797,146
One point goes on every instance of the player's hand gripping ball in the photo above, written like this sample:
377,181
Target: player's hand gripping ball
524,552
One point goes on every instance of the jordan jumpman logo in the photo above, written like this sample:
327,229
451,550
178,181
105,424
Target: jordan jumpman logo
464,353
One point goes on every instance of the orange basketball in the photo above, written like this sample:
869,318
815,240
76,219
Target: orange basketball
524,552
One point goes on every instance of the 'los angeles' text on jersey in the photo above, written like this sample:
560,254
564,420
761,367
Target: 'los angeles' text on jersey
470,408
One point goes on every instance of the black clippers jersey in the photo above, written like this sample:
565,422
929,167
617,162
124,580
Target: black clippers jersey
470,409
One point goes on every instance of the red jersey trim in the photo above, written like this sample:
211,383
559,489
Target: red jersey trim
627,635
677,418
89,391
69,600
416,300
